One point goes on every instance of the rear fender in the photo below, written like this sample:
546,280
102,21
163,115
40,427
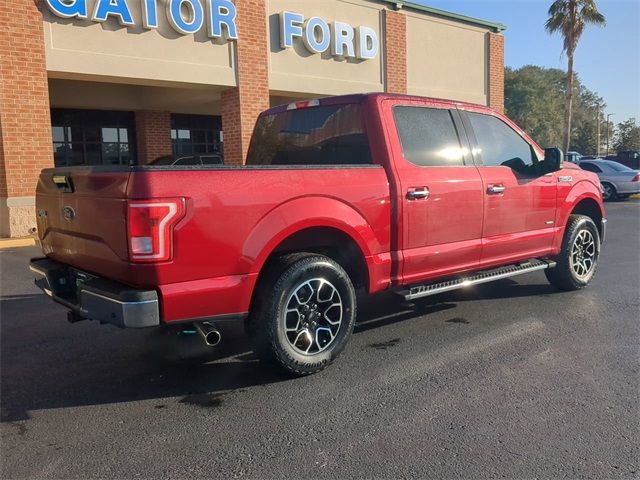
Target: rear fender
309,212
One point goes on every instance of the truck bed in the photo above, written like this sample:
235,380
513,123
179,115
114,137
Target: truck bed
234,216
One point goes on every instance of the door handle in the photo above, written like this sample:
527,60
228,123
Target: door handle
495,189
416,194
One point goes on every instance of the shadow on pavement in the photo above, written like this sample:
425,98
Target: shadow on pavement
47,363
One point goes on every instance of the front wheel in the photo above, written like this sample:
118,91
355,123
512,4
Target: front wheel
578,260
304,315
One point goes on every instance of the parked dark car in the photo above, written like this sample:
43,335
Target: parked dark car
630,158
206,159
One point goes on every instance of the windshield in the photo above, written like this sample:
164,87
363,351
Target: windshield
325,135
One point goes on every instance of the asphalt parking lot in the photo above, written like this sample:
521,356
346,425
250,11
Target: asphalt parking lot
512,379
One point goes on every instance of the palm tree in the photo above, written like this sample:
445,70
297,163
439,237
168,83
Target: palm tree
569,17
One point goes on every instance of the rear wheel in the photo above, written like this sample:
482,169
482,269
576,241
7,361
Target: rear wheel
608,191
578,259
304,315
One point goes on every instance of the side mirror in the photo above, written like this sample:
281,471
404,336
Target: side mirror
553,159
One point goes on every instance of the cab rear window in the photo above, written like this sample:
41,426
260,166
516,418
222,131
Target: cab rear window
324,135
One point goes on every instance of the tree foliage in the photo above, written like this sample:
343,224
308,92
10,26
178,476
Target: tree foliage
587,112
569,17
534,99
627,136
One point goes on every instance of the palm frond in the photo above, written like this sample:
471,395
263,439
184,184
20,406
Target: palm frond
557,13
569,17
590,14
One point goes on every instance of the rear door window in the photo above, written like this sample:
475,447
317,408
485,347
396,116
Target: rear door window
428,136
324,135
618,167
590,167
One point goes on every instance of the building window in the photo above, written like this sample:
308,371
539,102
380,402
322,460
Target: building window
92,137
196,135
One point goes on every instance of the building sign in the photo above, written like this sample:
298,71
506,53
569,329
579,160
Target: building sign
318,36
189,16
219,15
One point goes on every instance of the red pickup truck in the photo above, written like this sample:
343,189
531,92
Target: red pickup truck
371,192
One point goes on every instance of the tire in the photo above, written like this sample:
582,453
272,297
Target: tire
304,314
578,260
609,192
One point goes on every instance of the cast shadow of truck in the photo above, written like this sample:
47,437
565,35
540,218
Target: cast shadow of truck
48,364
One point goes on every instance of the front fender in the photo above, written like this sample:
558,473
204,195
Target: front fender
568,201
308,212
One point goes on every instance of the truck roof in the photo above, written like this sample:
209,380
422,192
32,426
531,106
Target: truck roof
361,97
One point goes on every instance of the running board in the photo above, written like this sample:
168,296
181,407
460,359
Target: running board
485,276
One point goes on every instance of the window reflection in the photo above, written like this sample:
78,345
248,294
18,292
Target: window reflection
453,153
322,135
109,134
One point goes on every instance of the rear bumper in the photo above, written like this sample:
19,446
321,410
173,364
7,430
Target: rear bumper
95,298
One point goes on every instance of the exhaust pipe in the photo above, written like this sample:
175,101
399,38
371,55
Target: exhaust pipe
210,334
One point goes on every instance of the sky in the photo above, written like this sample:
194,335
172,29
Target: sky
607,59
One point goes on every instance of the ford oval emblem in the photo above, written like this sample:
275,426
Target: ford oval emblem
69,213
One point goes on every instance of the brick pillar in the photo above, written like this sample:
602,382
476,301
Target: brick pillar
242,105
496,71
153,135
395,51
25,118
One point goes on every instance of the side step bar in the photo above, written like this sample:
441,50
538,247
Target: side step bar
485,276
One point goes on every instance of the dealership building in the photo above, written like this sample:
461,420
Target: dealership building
104,82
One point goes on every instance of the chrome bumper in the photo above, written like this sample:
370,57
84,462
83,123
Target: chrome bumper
93,298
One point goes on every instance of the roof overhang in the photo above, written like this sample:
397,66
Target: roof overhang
400,4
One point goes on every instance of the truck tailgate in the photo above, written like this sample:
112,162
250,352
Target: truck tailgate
81,217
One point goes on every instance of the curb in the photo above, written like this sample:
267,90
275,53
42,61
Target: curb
16,242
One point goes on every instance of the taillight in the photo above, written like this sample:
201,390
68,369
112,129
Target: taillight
636,178
150,228
303,104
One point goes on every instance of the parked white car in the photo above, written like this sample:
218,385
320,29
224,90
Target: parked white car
618,181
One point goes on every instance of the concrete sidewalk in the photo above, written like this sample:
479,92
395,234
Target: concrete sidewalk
17,242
